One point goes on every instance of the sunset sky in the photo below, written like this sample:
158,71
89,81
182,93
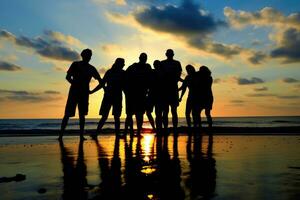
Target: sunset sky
251,47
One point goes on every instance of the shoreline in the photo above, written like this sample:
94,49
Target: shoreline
181,130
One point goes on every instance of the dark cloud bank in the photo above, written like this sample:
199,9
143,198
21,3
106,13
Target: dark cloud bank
45,45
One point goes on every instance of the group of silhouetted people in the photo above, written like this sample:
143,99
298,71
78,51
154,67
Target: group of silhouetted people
145,90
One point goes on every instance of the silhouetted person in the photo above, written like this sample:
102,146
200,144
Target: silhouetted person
156,92
74,173
112,82
79,76
136,90
171,70
153,98
203,97
188,82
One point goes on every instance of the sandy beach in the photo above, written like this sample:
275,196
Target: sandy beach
184,167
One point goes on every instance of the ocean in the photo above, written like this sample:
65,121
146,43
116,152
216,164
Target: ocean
54,124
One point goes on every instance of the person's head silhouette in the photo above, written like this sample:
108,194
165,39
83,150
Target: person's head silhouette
86,55
143,58
205,71
190,69
156,64
170,54
119,63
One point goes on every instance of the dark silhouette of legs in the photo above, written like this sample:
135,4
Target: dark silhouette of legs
63,126
208,116
158,119
117,124
151,120
139,122
188,110
81,125
129,124
174,117
101,122
196,117
165,117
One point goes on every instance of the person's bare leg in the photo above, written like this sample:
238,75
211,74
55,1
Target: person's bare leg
117,125
196,118
101,123
139,122
188,117
63,126
174,117
128,124
208,117
81,125
165,119
151,120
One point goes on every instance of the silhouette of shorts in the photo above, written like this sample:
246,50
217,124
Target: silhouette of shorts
77,98
109,102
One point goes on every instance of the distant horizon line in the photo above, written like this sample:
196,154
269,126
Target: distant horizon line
253,116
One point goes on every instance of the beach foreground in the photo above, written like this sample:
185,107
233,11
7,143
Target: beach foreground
151,167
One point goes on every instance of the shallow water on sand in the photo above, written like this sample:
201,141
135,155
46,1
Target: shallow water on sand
151,167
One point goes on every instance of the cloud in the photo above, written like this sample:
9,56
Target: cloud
188,24
184,19
49,45
26,96
260,89
257,57
290,80
237,101
117,2
286,28
274,95
262,95
253,80
289,46
6,66
265,17
288,96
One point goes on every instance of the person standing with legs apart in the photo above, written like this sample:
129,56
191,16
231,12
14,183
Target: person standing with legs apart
112,82
171,70
79,76
137,87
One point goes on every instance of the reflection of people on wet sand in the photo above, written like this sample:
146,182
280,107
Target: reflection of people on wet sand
79,76
136,90
171,70
203,97
74,175
188,82
202,178
110,186
112,82
169,170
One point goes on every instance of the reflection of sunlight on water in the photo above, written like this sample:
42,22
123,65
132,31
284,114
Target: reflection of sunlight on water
147,145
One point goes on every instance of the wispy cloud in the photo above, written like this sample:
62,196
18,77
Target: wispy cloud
245,81
50,45
7,66
27,96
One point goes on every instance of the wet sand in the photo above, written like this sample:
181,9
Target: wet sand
150,167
